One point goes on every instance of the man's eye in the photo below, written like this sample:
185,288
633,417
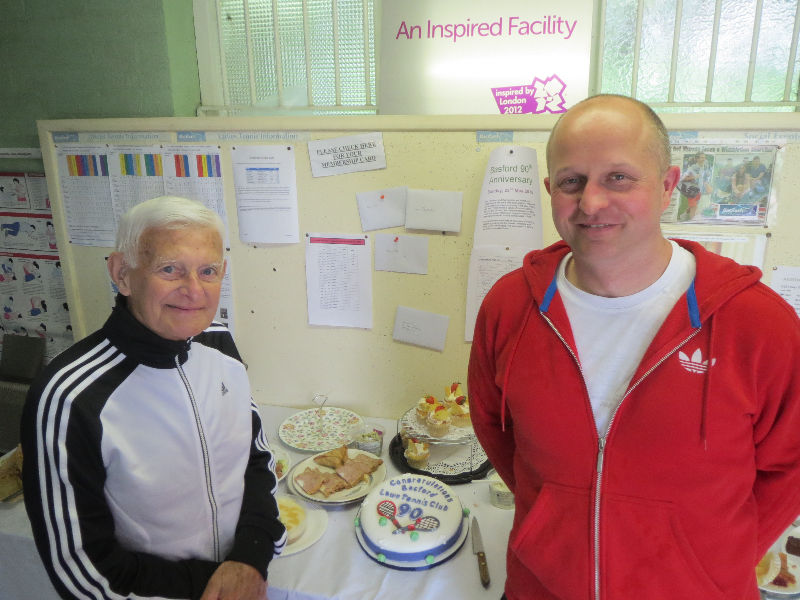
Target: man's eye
618,177
208,271
168,269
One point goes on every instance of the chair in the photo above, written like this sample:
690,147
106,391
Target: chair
23,358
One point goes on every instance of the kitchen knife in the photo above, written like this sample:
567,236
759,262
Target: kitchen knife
477,548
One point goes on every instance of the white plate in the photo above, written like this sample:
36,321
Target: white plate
319,430
316,524
342,496
281,455
792,562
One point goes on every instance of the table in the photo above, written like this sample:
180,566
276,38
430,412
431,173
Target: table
335,568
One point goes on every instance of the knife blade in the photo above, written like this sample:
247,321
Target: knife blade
477,549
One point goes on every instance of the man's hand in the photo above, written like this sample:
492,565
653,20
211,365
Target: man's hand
235,581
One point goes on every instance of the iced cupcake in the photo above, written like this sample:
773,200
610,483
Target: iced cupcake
439,422
451,392
425,406
460,412
417,454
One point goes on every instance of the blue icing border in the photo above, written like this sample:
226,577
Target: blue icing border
411,557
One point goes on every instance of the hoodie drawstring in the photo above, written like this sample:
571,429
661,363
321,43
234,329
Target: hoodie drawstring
508,367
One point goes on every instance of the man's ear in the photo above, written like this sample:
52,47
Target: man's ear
547,185
671,178
120,272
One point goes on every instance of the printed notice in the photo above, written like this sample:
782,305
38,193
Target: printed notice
786,282
225,308
401,253
339,280
510,208
420,328
86,194
487,264
382,209
266,194
350,154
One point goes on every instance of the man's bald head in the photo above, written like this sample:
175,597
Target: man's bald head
660,145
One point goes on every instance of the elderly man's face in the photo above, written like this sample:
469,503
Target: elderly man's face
606,185
174,290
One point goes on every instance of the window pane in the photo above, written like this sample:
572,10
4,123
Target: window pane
323,76
733,51
774,42
262,35
655,55
235,51
694,50
293,52
618,48
352,73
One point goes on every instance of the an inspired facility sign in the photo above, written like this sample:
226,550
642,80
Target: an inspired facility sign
506,56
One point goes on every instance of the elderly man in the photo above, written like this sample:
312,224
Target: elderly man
146,471
639,395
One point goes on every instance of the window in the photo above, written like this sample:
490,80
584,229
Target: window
264,56
691,55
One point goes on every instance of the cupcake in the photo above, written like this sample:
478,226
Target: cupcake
417,454
426,405
439,422
451,392
460,412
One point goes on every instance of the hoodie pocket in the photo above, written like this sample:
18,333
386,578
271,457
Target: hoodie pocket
553,541
647,554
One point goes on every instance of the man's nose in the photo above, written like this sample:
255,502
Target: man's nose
191,285
593,198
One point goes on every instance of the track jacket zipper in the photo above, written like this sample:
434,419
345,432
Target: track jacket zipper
206,460
601,441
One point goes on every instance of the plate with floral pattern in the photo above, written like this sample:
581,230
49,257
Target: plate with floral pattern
319,429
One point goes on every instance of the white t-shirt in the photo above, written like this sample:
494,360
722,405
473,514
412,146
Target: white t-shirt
612,334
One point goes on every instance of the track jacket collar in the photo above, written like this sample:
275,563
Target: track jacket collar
140,343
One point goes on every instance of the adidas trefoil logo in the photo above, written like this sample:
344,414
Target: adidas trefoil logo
225,390
695,364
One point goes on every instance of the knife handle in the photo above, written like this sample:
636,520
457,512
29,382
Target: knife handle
483,568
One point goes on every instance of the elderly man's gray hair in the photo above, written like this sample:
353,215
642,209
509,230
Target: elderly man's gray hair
164,212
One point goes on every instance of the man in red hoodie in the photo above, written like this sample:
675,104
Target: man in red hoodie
639,395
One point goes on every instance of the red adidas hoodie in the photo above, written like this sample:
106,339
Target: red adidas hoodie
700,470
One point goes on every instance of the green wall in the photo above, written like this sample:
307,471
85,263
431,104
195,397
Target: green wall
81,59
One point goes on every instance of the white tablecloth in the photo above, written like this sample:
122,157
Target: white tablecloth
334,568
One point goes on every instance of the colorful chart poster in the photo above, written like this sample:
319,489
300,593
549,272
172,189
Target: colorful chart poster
86,193
195,172
136,174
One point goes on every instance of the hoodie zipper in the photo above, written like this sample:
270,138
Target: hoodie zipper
601,442
206,460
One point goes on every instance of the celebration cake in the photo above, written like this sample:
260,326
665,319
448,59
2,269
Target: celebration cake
411,519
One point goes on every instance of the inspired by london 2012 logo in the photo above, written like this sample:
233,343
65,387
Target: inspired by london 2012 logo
543,95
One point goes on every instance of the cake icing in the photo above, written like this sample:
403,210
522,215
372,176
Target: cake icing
418,503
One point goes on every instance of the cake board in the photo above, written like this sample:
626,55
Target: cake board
397,454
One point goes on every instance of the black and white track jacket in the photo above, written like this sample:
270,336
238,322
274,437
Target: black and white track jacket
145,464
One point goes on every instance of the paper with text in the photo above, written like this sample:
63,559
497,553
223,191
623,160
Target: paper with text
266,194
510,207
786,282
401,253
350,154
433,210
420,328
339,280
487,264
382,209
86,193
